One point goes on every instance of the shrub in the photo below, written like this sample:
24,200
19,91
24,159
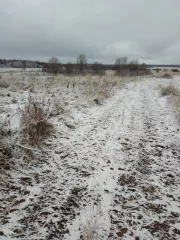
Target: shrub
5,147
34,122
175,70
97,69
167,75
170,90
69,68
125,68
157,70
81,63
174,99
53,66
4,83
5,154
121,65
5,129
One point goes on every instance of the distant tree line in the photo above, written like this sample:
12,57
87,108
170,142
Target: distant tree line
125,67
122,67
15,63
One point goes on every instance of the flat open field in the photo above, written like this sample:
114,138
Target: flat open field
11,70
109,170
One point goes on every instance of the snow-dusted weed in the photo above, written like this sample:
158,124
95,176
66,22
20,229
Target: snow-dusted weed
35,124
91,230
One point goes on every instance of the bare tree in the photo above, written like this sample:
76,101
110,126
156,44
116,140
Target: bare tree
24,65
143,69
97,68
69,68
121,64
121,61
134,67
144,66
81,63
53,65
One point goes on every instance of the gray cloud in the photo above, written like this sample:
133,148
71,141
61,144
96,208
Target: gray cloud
101,29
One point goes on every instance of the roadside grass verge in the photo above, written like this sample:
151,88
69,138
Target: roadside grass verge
174,96
90,88
99,88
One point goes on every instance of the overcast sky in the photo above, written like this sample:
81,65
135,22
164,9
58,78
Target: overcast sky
101,29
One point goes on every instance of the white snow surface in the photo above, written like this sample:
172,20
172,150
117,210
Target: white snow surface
117,172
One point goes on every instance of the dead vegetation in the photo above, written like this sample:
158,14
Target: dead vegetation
5,154
34,125
167,75
100,88
5,145
174,93
4,83
36,117
91,230
170,90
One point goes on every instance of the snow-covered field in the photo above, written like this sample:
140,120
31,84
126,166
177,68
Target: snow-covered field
11,70
167,68
110,171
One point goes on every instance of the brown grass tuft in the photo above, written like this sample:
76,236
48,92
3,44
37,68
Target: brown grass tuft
170,90
4,83
5,146
34,122
174,94
167,75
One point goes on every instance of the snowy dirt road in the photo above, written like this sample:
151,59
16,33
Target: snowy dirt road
116,175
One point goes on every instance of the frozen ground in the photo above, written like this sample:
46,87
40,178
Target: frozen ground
113,173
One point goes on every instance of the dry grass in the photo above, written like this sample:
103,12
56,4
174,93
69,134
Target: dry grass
34,125
20,82
5,154
92,227
167,75
90,87
170,90
4,83
162,72
5,146
100,88
174,94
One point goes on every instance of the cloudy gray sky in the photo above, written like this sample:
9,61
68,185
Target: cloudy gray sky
101,29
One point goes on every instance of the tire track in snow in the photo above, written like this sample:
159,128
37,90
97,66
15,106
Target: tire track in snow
143,208
129,168
77,175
